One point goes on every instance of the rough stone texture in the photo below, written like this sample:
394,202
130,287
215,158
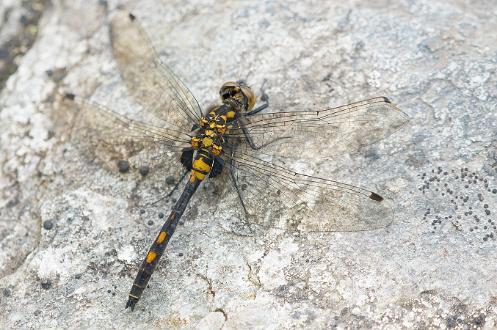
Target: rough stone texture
71,238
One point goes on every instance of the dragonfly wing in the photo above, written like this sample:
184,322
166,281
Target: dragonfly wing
275,196
109,135
150,82
332,131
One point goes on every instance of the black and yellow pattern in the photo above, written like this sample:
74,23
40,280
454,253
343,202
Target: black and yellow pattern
159,245
230,135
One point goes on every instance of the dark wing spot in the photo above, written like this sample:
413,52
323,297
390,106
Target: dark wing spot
375,197
131,17
386,100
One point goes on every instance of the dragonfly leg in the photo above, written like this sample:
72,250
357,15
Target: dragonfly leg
249,138
217,167
251,142
240,198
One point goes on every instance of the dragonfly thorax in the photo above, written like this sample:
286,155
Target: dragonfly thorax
210,136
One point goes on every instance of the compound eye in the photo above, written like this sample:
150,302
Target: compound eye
224,96
226,90
249,94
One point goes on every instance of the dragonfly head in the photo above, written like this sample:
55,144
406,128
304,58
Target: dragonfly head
238,93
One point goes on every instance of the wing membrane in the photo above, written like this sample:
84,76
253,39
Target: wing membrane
332,131
110,135
275,196
149,81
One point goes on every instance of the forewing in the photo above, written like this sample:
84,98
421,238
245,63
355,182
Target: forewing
108,135
149,81
274,196
332,131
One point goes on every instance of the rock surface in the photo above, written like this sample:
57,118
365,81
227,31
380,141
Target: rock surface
70,233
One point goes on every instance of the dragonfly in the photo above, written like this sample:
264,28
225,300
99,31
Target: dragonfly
258,153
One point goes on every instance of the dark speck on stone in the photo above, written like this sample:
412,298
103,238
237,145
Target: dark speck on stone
494,191
180,254
170,180
47,224
47,284
109,291
150,223
487,212
7,292
144,170
123,166
142,211
161,215
37,312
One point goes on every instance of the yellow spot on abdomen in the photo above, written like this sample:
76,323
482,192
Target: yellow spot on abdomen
161,238
197,176
151,257
201,165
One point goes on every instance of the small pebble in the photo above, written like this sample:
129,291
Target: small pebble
170,180
47,224
47,284
123,166
144,170
7,292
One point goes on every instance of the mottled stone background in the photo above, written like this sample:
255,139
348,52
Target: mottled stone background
70,234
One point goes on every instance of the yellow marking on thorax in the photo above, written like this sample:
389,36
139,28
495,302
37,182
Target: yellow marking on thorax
207,142
210,133
216,150
151,257
195,142
230,114
161,238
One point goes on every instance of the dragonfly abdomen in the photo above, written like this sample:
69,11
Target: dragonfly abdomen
201,166
159,245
